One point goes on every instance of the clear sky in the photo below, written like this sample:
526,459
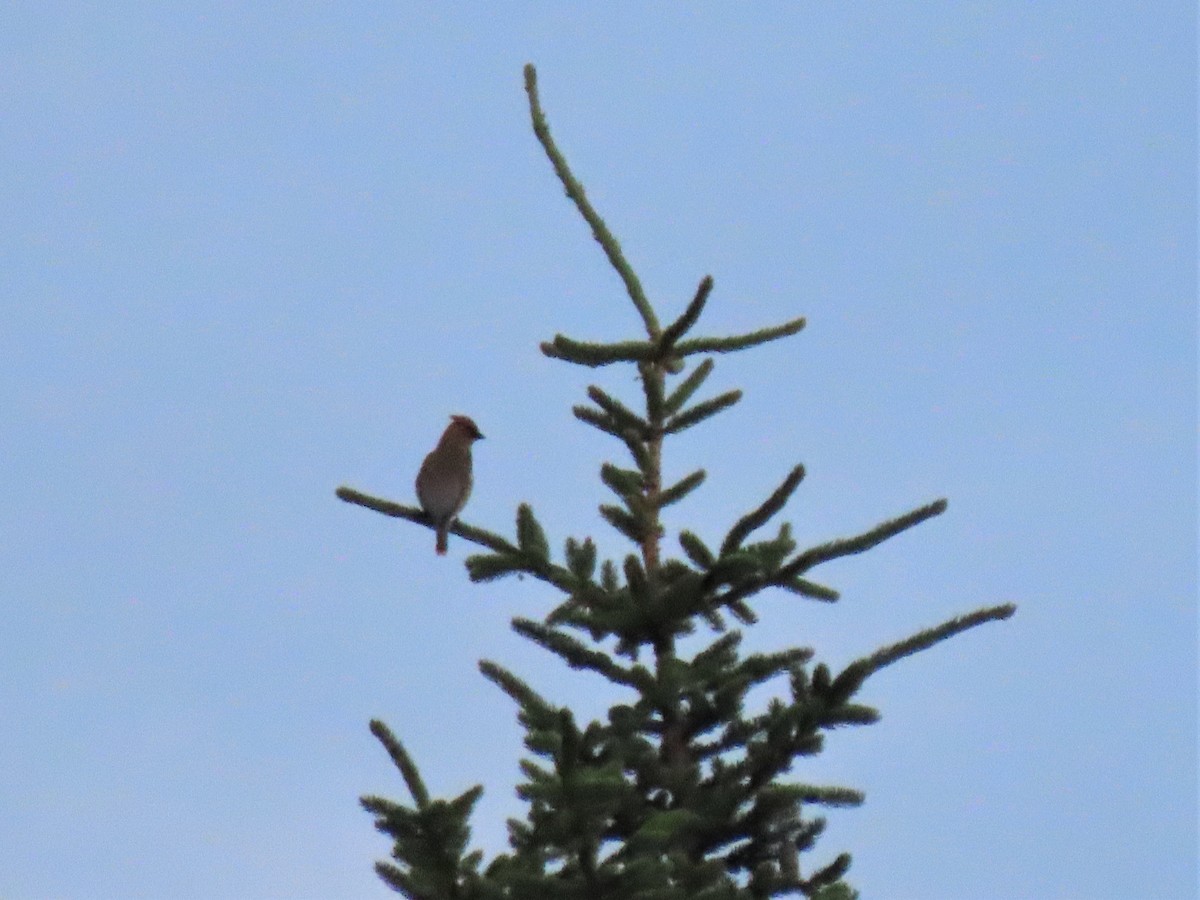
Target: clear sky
253,251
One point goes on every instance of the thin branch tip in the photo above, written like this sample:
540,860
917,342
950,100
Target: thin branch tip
575,192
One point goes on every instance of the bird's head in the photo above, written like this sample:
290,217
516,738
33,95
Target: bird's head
464,428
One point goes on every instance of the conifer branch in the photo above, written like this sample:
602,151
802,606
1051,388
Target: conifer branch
624,522
507,559
581,558
849,546
773,551
759,517
835,692
575,191
739,342
741,611
923,640
580,611
683,393
737,568
653,386
626,419
697,551
635,578
633,440
811,589
522,694
850,714
639,449
598,419
750,584
595,355
464,803
416,515
403,762
828,876
683,324
608,577
385,808
721,652
578,656
395,879
531,538
694,415
681,488
484,567
622,482
760,667
651,465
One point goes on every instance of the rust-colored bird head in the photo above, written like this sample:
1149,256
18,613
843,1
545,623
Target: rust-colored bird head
464,427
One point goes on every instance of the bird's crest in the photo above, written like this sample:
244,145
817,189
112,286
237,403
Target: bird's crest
467,424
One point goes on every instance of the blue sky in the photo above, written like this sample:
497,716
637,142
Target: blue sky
255,251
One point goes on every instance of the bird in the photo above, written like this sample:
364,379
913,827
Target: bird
444,481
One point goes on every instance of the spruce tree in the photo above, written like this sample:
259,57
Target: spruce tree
683,794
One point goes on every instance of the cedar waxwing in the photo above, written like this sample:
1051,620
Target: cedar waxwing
444,482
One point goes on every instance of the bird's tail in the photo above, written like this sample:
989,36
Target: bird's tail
442,541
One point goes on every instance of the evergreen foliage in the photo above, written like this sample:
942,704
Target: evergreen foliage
684,793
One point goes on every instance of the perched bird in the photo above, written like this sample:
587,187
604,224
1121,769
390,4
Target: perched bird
444,482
